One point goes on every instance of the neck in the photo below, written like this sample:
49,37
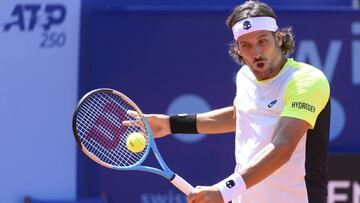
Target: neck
280,65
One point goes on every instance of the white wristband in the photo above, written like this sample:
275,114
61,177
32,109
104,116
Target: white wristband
231,187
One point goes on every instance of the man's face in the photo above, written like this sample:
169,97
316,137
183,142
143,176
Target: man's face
261,51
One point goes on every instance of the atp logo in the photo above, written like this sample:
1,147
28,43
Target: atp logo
43,17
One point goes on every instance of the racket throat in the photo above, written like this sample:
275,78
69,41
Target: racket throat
172,177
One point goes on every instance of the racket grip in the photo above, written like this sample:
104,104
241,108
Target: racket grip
182,185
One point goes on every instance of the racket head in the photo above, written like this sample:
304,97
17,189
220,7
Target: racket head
99,132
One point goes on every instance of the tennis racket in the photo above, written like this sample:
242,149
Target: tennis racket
99,131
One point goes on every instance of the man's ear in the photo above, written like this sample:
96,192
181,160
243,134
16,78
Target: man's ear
279,38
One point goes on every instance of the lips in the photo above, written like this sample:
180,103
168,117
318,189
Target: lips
260,64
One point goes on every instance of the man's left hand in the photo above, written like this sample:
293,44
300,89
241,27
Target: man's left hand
205,194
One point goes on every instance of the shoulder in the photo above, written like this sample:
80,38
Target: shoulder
306,77
244,70
244,73
307,92
303,71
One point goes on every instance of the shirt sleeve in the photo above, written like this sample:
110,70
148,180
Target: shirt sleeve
306,95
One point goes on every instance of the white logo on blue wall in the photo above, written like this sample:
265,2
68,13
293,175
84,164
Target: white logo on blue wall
188,103
337,121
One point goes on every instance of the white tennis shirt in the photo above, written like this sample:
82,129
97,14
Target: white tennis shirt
299,91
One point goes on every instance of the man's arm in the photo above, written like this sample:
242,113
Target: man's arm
217,121
287,135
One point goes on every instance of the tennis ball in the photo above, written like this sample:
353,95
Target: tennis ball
136,142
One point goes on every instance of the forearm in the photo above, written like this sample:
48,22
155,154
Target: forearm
264,163
217,121
279,151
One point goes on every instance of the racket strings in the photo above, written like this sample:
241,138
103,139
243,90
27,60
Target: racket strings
99,125
103,154
121,151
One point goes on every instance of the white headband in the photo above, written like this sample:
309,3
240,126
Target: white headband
248,25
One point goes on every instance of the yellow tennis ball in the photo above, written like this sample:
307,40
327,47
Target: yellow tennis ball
136,142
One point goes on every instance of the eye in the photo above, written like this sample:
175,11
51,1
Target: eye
262,41
244,46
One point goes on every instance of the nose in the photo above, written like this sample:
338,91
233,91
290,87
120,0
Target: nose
257,51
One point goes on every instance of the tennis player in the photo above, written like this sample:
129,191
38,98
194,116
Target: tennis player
282,115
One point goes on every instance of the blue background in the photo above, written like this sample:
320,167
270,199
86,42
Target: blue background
156,54
170,56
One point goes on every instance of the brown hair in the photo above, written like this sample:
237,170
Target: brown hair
256,9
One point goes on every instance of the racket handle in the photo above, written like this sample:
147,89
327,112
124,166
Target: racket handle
182,185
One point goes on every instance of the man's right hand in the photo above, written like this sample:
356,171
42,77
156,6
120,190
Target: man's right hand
159,123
